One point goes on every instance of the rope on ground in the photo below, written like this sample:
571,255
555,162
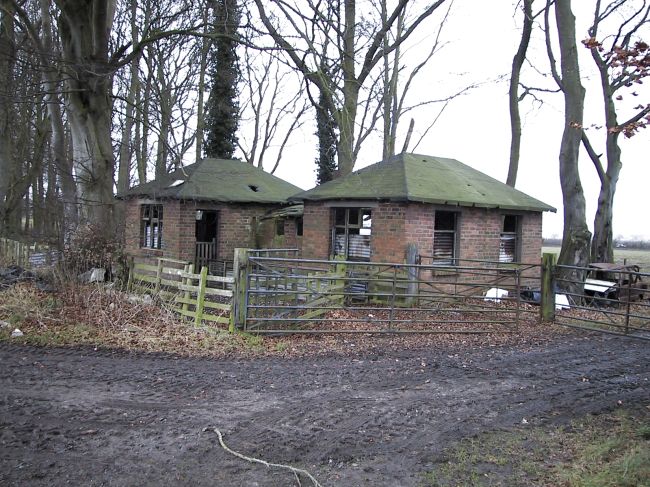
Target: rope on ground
296,471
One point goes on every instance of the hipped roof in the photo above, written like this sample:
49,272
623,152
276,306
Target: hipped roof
426,179
222,180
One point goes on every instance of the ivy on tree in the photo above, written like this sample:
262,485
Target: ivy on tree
222,110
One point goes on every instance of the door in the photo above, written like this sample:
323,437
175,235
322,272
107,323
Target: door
206,238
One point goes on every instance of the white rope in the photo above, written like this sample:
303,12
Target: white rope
296,471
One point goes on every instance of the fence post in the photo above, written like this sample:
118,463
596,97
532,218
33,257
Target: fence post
411,272
340,269
129,281
547,304
200,296
158,276
189,269
239,291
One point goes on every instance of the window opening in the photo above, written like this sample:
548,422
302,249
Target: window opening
352,233
279,227
151,226
445,238
299,224
509,240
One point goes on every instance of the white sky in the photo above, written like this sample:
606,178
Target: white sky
474,129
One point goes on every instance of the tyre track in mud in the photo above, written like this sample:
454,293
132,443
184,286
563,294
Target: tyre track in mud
99,418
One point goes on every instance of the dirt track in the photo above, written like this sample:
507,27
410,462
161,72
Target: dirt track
82,417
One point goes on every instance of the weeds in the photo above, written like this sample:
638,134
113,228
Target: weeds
608,450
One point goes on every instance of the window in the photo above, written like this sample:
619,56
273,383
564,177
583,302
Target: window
445,238
299,226
151,226
351,233
279,227
509,241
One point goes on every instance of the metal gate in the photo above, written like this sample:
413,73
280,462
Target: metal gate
331,296
609,298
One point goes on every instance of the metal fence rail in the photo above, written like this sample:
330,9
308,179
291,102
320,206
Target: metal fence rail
320,296
616,302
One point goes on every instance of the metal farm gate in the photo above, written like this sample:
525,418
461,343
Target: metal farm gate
610,298
284,294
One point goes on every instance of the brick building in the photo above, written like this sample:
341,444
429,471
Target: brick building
450,211
202,212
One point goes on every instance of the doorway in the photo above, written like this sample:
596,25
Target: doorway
206,230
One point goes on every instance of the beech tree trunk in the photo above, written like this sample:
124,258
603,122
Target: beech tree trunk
62,162
576,236
85,27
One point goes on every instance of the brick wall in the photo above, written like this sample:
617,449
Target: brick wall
394,225
317,224
239,225
388,232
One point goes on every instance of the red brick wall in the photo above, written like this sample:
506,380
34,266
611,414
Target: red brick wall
239,226
388,233
394,225
317,224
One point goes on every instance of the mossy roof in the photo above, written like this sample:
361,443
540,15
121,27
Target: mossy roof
222,180
427,179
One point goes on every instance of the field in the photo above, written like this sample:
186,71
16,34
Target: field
629,256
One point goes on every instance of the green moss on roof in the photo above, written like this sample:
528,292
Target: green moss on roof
414,177
222,180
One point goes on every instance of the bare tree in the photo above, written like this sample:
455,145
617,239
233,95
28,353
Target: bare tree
318,34
622,63
270,112
576,236
513,93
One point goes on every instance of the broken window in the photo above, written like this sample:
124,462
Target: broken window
279,227
445,238
509,240
351,233
151,226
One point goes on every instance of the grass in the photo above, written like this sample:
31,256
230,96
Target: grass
630,256
610,450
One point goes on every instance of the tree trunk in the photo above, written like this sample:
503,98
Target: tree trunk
206,44
576,236
85,31
127,139
165,108
7,114
602,244
513,93
62,162
348,113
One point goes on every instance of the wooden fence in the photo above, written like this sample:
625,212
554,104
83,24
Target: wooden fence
25,255
200,297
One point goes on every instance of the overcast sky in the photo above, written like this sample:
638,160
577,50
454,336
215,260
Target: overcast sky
482,38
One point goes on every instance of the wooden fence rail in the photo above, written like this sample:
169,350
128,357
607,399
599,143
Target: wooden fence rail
200,297
28,255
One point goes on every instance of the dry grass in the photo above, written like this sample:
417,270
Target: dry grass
609,450
99,316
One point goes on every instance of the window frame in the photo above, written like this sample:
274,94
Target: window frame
151,217
453,261
516,234
362,231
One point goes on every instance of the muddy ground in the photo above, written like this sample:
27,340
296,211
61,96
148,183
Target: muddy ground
86,417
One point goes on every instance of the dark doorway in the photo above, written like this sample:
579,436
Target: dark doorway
206,238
